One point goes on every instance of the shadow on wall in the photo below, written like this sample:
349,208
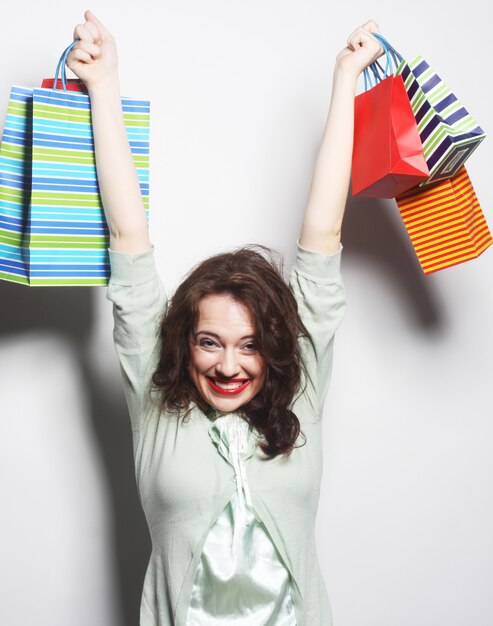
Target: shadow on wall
373,232
70,313
371,235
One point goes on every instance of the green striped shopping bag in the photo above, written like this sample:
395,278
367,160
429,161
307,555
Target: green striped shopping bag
52,225
448,131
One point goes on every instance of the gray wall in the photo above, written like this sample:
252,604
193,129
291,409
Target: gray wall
239,94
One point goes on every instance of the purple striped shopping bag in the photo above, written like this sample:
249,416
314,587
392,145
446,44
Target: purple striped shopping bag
447,130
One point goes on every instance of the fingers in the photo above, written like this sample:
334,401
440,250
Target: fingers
92,19
372,26
77,54
92,30
84,52
94,56
362,38
88,48
358,35
87,32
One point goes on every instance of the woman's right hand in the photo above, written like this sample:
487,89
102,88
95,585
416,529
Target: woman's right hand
94,58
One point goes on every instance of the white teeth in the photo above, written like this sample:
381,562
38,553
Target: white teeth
228,386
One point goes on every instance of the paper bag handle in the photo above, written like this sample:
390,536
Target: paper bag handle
392,56
61,68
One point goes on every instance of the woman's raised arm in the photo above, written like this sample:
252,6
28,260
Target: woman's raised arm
94,60
321,230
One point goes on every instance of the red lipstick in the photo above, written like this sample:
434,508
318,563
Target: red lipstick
229,392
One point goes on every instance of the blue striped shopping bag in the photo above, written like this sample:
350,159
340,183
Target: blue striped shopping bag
52,225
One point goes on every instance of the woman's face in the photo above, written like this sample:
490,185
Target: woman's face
225,365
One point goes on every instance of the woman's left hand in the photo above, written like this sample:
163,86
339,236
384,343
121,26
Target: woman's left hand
324,212
362,50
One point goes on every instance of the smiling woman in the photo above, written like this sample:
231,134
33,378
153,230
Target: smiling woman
226,392
224,364
230,340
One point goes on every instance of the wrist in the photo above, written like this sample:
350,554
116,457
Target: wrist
344,79
345,73
108,86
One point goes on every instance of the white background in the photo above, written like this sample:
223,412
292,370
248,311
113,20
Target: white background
240,93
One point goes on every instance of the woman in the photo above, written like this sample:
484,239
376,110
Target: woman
225,387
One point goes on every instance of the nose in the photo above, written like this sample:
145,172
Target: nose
228,366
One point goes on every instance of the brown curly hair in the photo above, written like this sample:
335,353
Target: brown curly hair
257,282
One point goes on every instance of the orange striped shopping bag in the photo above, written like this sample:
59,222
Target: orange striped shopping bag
445,223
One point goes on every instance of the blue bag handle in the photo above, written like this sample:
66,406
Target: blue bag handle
61,68
396,57
379,74
375,68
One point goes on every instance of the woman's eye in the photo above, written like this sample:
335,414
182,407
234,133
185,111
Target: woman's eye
251,347
207,343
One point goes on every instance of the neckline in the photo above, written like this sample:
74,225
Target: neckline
214,414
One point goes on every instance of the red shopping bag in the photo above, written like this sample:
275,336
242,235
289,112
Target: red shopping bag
388,154
71,84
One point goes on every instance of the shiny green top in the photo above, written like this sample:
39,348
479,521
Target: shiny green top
241,578
184,484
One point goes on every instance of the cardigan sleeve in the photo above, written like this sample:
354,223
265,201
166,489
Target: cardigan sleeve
317,285
139,303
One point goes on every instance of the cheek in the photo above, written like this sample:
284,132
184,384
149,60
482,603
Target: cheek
260,368
199,361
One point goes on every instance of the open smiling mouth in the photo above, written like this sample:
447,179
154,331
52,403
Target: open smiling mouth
230,387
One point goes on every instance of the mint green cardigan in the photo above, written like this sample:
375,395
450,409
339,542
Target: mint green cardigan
182,480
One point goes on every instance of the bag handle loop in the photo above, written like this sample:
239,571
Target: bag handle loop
379,74
61,67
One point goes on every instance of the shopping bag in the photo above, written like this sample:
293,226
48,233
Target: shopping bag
448,131
445,223
387,151
52,225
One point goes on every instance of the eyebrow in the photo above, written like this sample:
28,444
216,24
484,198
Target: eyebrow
207,332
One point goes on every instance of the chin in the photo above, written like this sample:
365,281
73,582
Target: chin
226,405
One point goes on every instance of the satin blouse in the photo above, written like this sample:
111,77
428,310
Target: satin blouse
241,579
